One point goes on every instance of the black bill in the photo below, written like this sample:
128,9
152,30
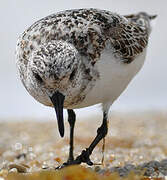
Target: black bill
58,102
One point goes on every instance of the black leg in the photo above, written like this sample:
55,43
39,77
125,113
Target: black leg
71,120
101,133
84,157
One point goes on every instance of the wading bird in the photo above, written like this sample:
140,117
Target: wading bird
81,57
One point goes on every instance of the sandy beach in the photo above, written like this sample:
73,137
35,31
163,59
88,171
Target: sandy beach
134,141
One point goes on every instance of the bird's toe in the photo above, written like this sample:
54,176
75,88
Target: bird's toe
84,157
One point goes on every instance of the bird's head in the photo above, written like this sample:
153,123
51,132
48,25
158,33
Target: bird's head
54,65
142,19
54,75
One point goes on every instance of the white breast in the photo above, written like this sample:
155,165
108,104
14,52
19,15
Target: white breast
114,78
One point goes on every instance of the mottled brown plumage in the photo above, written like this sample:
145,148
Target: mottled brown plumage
78,58
88,30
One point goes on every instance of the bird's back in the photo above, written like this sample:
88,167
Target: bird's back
88,30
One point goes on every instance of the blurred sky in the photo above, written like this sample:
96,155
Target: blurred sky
148,90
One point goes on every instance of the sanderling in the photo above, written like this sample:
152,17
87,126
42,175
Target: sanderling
78,58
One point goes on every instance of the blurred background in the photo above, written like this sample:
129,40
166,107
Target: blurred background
147,91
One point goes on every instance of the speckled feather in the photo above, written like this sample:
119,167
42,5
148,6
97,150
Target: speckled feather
82,35
88,30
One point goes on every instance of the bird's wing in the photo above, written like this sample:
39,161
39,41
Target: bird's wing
96,44
128,40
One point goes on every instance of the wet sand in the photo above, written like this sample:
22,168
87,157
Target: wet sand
134,141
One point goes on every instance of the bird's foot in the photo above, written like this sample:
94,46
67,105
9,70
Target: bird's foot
65,164
83,157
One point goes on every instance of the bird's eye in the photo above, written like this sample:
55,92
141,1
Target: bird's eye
38,78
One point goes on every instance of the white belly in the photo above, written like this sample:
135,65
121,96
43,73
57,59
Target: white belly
114,78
